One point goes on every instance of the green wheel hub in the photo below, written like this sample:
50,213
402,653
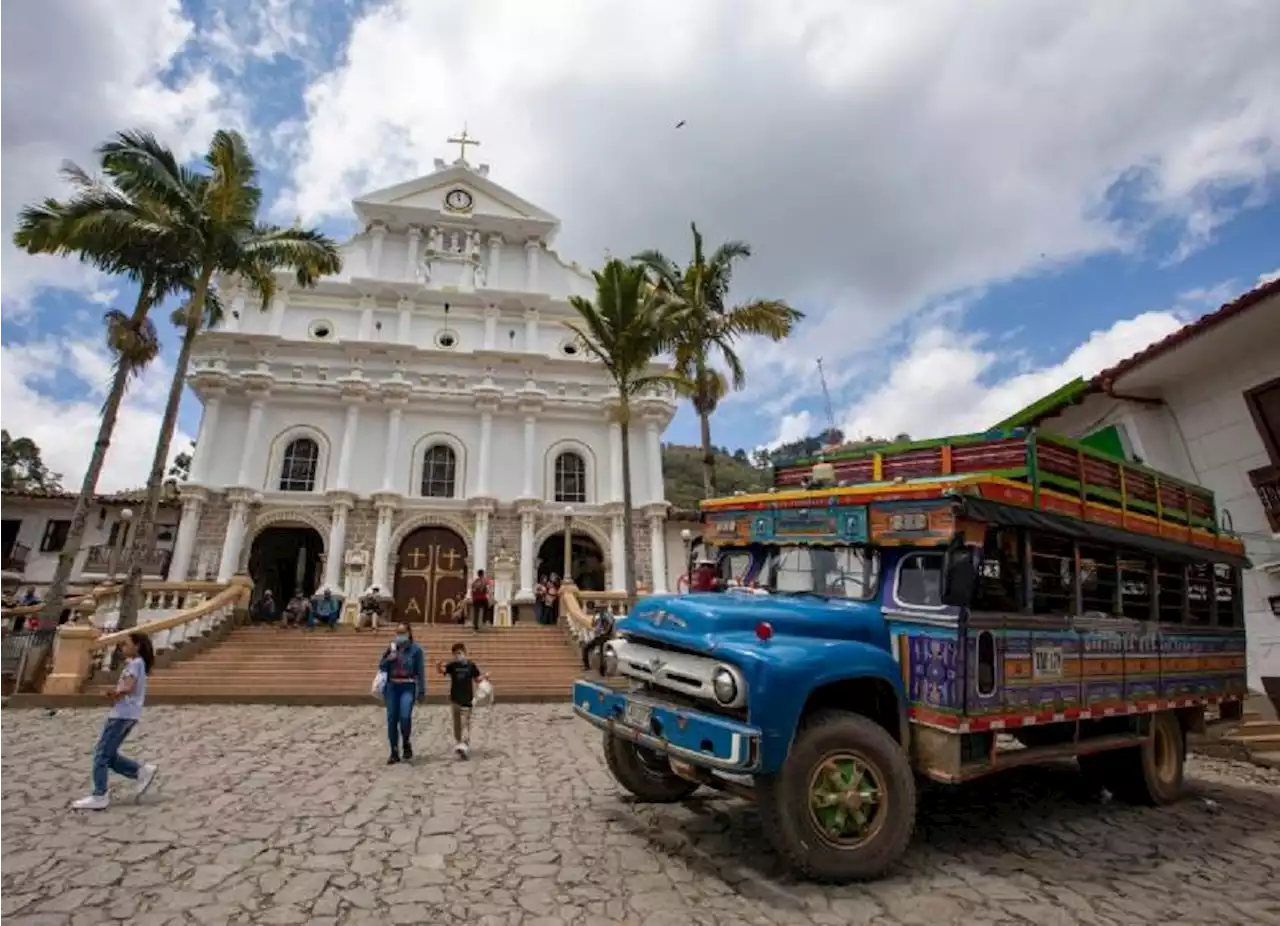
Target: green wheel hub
846,799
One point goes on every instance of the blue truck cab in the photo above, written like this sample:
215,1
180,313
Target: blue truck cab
982,611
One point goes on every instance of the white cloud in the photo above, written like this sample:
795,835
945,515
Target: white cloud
878,155
65,429
941,386
76,71
793,426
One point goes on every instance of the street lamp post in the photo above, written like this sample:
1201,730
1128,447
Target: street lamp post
122,537
687,536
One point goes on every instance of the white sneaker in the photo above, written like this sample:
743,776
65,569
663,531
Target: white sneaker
146,775
464,750
460,751
92,802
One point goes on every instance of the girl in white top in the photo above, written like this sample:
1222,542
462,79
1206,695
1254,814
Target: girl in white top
129,695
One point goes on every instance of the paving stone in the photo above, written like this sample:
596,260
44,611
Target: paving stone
534,831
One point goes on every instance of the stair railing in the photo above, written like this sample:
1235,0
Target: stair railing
81,649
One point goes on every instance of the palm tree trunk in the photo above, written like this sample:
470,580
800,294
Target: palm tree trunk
143,540
51,610
628,537
708,457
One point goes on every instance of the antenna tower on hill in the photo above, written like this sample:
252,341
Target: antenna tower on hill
826,399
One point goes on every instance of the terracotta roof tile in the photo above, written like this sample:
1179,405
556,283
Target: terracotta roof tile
1188,332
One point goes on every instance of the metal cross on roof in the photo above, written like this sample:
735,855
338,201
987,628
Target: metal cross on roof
462,141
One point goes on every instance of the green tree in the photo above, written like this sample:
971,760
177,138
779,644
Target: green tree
211,217
118,233
23,467
629,323
711,327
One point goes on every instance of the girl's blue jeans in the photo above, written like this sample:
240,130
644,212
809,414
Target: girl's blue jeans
399,699
107,758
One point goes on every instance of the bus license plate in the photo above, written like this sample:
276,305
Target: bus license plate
637,715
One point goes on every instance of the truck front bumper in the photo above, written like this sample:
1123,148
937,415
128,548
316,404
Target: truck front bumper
699,738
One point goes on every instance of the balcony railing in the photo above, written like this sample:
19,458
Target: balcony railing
103,559
1266,482
16,557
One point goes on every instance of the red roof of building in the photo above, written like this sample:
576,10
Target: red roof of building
1188,332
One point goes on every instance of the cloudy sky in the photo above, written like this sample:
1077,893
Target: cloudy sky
973,203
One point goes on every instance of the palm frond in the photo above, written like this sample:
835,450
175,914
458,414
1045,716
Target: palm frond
139,164
233,194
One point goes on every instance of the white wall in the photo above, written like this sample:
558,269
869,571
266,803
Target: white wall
36,514
1206,434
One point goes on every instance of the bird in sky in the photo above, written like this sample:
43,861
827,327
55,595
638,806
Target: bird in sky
680,124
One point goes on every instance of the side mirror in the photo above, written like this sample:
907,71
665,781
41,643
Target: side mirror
959,576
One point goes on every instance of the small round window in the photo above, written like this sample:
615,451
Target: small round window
447,340
321,330
571,348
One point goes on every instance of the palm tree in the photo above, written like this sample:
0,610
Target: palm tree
211,217
711,327
112,231
629,323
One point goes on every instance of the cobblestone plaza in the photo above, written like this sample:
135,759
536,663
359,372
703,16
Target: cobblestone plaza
288,815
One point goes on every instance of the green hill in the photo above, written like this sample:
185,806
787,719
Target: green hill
682,469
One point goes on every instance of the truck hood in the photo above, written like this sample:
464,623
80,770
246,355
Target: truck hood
698,621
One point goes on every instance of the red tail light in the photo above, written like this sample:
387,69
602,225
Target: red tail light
764,630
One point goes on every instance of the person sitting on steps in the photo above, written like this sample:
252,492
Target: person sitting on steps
328,608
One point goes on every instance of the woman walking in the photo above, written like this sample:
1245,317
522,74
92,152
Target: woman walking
129,696
404,664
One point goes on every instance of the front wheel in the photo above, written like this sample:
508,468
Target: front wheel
645,773
843,806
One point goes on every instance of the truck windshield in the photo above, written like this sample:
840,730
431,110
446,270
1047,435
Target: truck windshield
832,572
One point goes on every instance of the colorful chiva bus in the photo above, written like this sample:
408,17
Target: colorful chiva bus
1103,589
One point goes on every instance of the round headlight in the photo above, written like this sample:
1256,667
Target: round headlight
724,685
609,659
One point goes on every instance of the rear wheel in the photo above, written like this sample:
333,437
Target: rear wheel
645,773
1151,773
844,804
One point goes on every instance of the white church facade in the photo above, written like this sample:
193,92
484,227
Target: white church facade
423,415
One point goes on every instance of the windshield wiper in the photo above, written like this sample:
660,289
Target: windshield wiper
807,594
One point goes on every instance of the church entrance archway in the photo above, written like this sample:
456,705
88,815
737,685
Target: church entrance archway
588,560
285,559
431,577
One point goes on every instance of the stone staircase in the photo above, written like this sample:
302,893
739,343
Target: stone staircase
276,665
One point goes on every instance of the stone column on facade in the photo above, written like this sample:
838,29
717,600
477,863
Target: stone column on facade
354,389
528,508
618,548
657,515
491,314
340,504
367,305
495,261
379,233
207,435
251,437
653,433
279,305
411,256
404,320
531,331
530,454
615,461
386,504
391,453
531,248
231,320
483,509
193,497
486,447
233,541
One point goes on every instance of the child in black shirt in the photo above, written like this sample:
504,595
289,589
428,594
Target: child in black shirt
463,676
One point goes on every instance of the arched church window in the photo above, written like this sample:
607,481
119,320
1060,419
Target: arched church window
439,471
571,478
298,470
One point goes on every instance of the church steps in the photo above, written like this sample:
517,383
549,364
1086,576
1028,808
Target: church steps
277,665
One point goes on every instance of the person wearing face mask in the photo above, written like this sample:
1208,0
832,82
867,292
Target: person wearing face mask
463,676
404,665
